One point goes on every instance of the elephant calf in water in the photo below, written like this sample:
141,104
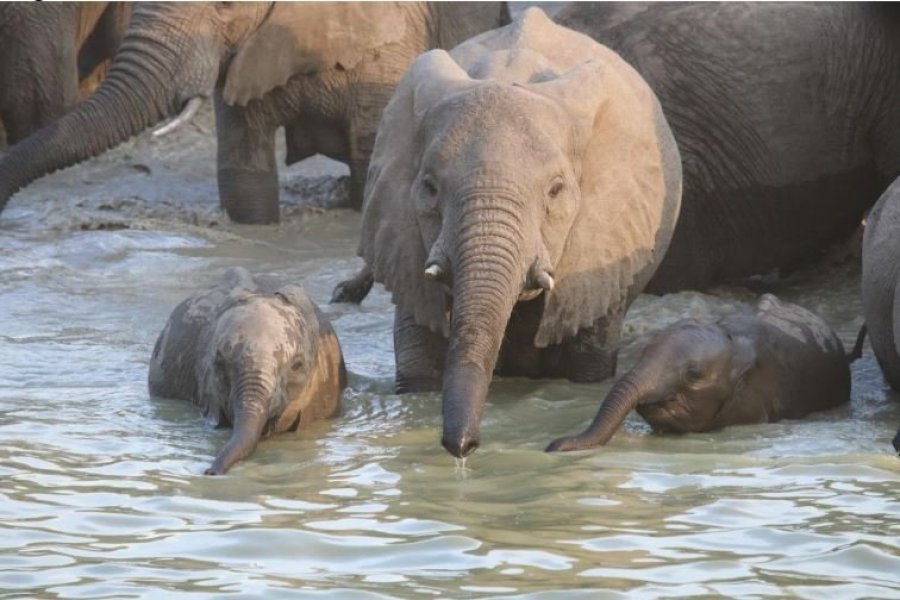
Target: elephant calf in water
253,355
781,361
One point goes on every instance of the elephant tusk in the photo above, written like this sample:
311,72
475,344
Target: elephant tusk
187,113
545,281
433,272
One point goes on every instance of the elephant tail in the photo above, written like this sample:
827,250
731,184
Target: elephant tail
858,346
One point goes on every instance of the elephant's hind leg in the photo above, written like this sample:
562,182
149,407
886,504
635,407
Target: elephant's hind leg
247,173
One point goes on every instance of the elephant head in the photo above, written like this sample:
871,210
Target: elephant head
686,377
175,53
272,364
543,182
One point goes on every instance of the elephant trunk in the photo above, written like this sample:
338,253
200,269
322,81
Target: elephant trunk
622,398
250,399
138,92
486,282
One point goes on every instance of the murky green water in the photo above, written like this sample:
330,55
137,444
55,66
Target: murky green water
101,492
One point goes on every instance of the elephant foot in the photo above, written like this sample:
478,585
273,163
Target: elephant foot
354,290
249,198
411,385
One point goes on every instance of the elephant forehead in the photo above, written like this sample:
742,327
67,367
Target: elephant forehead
260,325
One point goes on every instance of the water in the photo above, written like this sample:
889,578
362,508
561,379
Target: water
101,492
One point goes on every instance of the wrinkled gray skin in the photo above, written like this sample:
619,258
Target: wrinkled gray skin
785,115
52,54
779,362
881,285
322,70
252,355
522,190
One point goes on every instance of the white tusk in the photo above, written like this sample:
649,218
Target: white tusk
433,272
187,113
545,280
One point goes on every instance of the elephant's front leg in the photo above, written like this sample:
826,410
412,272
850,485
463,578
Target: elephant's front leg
247,174
592,354
355,289
419,355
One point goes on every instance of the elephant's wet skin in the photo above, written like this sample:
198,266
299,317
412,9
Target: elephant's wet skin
522,190
785,115
881,285
253,355
779,362
323,70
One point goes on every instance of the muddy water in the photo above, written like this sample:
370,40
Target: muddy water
101,492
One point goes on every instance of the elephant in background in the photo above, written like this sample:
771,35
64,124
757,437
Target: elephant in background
785,115
779,362
881,285
252,354
322,70
522,191
51,55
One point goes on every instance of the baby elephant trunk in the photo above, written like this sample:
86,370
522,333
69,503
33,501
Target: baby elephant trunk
250,418
623,397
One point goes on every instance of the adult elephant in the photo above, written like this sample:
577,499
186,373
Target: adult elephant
881,285
786,116
523,189
51,55
322,70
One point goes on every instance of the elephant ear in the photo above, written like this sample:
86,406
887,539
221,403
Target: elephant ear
393,241
303,38
629,175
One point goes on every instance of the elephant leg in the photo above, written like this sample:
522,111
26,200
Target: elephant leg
896,442
359,168
355,289
592,354
419,355
247,173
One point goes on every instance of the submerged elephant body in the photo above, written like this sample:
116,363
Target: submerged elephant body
779,362
255,356
881,285
51,55
522,190
785,114
323,70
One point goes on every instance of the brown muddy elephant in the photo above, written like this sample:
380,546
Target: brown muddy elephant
786,115
522,191
53,54
780,361
322,70
253,355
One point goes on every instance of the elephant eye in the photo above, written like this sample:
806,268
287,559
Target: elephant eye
429,186
556,188
693,373
297,365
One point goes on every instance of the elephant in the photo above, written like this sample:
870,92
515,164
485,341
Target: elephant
780,361
52,55
323,70
522,189
881,285
785,115
252,354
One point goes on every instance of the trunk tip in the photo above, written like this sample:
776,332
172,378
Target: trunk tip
563,444
460,446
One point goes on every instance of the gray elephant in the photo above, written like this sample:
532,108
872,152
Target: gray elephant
523,189
779,362
785,115
881,285
253,355
51,55
323,70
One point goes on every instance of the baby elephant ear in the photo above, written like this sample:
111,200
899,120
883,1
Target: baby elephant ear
302,38
391,240
630,181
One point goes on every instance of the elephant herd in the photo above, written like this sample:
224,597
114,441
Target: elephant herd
521,183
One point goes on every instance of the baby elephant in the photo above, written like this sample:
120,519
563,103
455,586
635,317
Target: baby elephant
780,361
252,355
